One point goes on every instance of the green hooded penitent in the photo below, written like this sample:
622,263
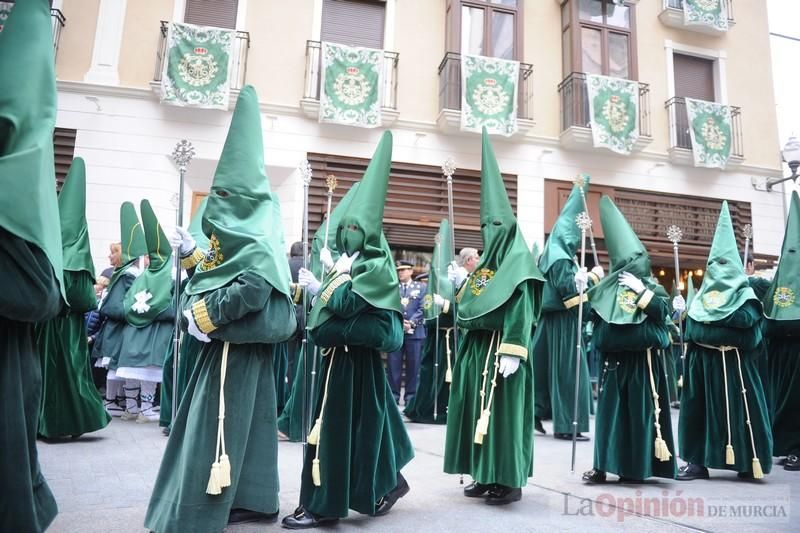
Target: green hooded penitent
151,293
615,303
565,237
438,283
28,205
72,211
241,218
196,226
318,242
780,302
725,287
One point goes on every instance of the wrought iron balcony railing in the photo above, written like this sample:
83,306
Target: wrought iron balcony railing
59,21
238,66
678,4
314,74
679,126
575,104
450,85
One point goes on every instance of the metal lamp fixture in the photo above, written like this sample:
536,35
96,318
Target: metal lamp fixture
791,155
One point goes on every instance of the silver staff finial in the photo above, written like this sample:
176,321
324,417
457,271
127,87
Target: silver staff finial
583,221
580,180
674,234
305,171
449,167
183,154
748,231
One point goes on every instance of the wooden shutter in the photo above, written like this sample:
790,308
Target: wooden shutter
64,151
694,77
353,22
217,13
416,201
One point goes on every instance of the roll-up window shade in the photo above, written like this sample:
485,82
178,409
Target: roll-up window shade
353,22
694,77
217,13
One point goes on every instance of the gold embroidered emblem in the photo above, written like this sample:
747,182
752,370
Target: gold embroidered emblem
404,301
427,302
713,299
784,297
213,257
626,300
479,280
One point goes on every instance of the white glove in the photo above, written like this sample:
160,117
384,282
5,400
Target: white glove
307,279
182,240
438,300
581,280
455,274
193,330
344,263
598,271
679,304
508,365
632,282
325,258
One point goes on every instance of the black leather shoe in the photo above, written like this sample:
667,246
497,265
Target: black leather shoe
691,471
386,503
629,481
305,519
502,495
537,425
476,490
594,476
568,436
792,463
243,516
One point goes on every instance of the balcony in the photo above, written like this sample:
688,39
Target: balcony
576,133
449,119
310,101
680,144
58,21
672,16
238,66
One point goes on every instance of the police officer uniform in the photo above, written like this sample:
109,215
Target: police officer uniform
411,295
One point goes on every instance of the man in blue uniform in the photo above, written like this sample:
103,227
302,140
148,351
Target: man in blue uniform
411,295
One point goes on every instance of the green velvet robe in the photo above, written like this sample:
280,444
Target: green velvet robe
108,342
30,294
420,409
702,427
179,501
506,455
554,353
281,360
760,286
189,350
363,443
149,345
783,345
625,430
290,421
71,404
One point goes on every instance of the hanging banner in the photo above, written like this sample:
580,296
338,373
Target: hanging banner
613,112
711,132
5,11
489,88
352,79
712,13
196,66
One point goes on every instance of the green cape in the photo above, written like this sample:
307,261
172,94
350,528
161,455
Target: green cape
242,217
28,205
318,242
132,241
156,281
72,211
725,287
565,237
615,303
506,259
438,282
196,226
780,301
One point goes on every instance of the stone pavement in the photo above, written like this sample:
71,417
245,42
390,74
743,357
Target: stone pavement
103,482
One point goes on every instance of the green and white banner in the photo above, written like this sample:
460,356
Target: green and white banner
5,11
713,13
196,66
489,94
352,82
613,112
710,131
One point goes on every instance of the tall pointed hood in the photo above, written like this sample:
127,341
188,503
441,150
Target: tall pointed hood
725,287
332,228
690,290
28,206
132,239
506,259
242,217
438,282
565,237
196,226
151,292
780,301
613,302
72,211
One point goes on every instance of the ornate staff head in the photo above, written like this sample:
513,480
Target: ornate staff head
748,231
330,181
674,234
183,154
305,172
583,221
580,181
449,168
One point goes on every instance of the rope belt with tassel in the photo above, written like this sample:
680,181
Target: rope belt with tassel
482,427
220,476
662,452
449,375
730,458
314,436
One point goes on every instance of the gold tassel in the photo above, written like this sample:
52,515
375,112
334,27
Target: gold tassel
662,451
213,480
482,427
729,457
313,436
448,377
315,477
224,471
757,472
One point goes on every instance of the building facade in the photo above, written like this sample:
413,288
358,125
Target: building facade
109,59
